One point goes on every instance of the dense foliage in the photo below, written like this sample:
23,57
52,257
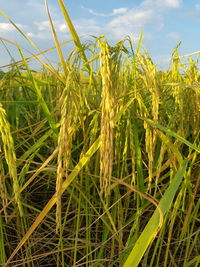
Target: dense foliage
92,152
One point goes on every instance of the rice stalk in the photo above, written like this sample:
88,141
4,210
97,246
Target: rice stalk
64,147
107,123
149,78
9,151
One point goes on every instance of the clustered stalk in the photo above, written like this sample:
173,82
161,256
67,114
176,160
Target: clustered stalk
64,152
150,135
107,123
10,156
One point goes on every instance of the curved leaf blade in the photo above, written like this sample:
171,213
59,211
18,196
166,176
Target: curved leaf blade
152,228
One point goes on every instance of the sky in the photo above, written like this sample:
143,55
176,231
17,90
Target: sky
164,22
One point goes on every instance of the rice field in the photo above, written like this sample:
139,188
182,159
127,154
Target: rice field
100,161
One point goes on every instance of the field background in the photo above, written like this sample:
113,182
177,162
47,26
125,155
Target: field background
100,158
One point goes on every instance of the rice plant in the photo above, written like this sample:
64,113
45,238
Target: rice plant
99,157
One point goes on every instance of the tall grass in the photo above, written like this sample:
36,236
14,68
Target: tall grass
99,158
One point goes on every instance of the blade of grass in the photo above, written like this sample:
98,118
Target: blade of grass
2,242
72,29
152,228
62,60
171,133
19,30
75,37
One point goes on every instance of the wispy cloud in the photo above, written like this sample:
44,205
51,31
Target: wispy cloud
40,35
7,27
118,11
114,12
43,32
162,3
89,26
133,18
120,23
131,24
116,23
42,25
124,21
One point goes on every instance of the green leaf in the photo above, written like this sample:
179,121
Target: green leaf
153,226
169,132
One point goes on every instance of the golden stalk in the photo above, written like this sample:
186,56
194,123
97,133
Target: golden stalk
64,152
9,151
107,123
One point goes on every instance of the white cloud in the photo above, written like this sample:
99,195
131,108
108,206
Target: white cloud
114,31
174,35
89,27
121,10
132,23
30,34
83,27
115,12
91,11
118,33
43,29
40,35
120,22
8,27
133,18
162,3
42,25
62,27
172,3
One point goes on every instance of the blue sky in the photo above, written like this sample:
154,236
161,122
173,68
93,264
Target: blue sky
164,22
